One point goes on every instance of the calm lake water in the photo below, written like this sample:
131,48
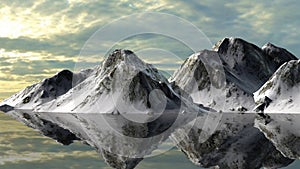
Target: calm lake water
24,148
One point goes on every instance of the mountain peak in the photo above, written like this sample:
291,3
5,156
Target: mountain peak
277,54
121,55
282,89
224,43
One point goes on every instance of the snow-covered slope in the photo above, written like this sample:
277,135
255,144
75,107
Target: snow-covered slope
46,90
249,66
124,84
246,68
40,93
282,90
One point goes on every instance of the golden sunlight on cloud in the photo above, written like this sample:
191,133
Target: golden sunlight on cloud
14,56
9,88
12,78
24,22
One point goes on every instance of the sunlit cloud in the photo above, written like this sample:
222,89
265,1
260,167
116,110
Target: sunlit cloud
21,69
18,22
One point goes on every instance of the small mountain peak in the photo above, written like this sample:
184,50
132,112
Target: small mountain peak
278,54
269,44
6,108
289,73
128,52
65,74
269,47
119,56
223,44
113,58
197,56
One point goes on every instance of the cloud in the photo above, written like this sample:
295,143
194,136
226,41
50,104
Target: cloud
21,69
43,20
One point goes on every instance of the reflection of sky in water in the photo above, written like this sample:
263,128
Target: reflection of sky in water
24,148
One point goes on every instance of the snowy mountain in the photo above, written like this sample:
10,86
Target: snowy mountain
124,84
246,68
219,142
46,90
40,93
280,93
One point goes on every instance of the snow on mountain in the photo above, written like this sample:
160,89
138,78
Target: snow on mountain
46,90
250,66
276,54
281,91
40,93
246,68
193,78
124,84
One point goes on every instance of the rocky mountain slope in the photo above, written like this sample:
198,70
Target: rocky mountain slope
123,84
46,90
281,91
244,69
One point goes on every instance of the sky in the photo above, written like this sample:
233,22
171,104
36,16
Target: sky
41,37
